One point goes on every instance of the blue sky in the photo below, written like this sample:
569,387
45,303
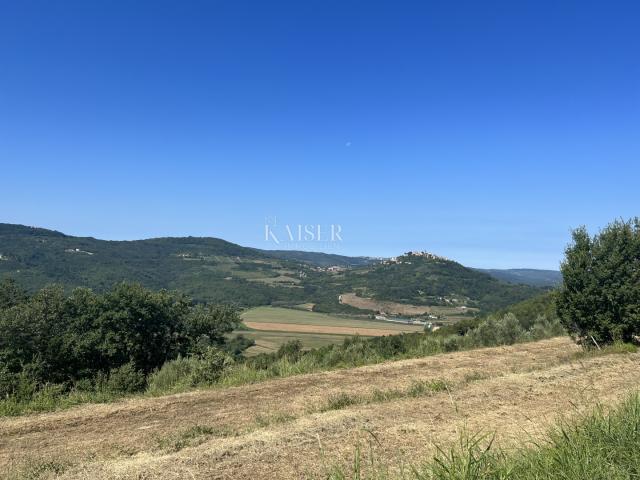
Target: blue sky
483,131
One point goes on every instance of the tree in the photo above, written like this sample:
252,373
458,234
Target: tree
209,323
10,294
126,332
600,293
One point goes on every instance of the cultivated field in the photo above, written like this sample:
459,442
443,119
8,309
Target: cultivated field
392,308
446,314
269,342
299,427
274,326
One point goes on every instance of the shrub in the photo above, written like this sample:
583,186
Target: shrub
508,330
173,376
210,366
107,342
291,349
451,344
7,382
545,327
126,379
10,294
498,331
486,333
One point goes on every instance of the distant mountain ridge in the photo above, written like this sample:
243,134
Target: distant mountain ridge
527,276
212,269
320,259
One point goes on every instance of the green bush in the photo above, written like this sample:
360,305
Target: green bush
102,342
210,366
291,349
498,331
7,382
509,330
126,379
173,376
545,327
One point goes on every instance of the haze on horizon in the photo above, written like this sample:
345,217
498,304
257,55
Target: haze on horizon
480,132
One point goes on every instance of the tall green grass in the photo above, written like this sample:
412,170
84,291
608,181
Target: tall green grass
599,445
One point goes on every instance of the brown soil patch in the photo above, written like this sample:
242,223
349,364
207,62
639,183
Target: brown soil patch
303,328
515,391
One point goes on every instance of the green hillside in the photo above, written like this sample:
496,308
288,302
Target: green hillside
215,270
206,268
431,280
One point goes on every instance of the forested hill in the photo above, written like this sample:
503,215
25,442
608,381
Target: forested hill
215,270
208,268
432,280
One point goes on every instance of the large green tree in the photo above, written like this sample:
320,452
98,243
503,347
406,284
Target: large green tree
61,339
600,293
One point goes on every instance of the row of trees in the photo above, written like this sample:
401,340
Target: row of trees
50,337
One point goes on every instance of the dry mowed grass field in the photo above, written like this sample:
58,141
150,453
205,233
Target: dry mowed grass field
291,428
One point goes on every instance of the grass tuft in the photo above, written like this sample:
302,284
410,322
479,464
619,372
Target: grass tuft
275,418
418,388
341,400
615,348
190,437
421,388
39,469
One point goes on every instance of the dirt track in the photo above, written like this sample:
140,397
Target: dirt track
275,429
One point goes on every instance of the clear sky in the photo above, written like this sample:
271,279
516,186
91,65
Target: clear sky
482,131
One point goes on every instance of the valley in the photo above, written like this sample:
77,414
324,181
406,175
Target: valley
214,270
270,327
319,240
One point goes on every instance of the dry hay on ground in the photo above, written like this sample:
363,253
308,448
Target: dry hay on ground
276,429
